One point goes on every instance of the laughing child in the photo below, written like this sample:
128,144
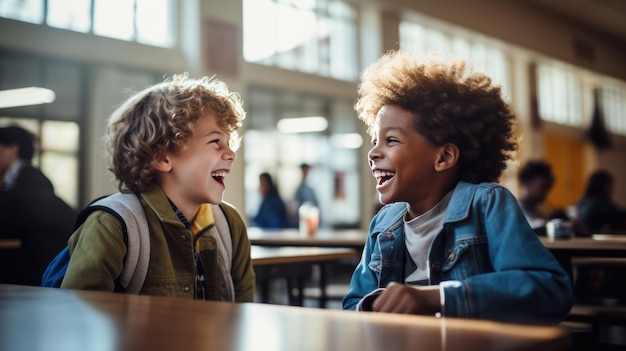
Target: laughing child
171,144
449,241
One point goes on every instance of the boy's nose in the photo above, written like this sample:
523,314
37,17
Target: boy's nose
373,153
230,154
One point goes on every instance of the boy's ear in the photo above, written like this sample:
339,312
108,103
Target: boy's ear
161,162
448,157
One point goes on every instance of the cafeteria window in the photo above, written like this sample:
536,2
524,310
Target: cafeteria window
149,22
56,153
311,36
613,102
559,92
333,153
56,123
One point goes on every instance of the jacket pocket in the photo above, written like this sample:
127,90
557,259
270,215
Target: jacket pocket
467,258
376,262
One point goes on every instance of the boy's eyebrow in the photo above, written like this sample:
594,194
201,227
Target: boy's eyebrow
386,130
392,128
213,132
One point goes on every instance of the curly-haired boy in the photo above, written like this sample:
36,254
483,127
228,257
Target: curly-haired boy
449,240
172,144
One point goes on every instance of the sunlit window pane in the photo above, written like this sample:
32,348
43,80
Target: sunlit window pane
22,10
60,136
343,43
114,19
56,153
559,95
313,36
154,22
412,37
62,170
481,54
70,14
613,102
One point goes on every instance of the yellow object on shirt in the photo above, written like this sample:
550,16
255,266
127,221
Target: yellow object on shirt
203,219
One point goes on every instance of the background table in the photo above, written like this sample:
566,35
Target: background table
294,264
33,318
266,256
564,250
347,238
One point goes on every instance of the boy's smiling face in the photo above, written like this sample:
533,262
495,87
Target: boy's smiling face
403,161
195,174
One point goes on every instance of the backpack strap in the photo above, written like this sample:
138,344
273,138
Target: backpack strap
223,228
128,208
223,240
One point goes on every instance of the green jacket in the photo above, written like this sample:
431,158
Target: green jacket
98,248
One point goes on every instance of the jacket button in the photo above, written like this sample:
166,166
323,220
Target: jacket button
451,256
183,237
186,289
388,235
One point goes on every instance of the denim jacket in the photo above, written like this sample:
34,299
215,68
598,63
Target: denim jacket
487,260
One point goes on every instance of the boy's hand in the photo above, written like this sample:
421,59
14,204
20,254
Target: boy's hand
399,298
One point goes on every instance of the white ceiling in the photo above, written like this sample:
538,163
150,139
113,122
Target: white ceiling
606,17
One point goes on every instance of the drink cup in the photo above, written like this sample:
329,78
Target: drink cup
309,219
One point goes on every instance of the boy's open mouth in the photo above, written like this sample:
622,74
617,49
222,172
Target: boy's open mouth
383,176
219,177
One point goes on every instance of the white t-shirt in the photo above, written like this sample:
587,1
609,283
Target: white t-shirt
419,234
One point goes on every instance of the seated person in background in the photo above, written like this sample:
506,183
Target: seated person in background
536,181
29,211
449,240
597,211
172,145
272,212
304,193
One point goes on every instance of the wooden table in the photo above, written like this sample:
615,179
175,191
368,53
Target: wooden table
294,264
265,256
598,245
33,318
347,238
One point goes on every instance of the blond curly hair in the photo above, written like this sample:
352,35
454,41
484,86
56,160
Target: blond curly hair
161,119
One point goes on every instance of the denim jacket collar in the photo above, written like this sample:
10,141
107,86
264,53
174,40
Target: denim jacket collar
458,209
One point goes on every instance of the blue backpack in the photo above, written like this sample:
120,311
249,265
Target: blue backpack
127,208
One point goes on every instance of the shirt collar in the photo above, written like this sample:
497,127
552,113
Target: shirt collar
11,175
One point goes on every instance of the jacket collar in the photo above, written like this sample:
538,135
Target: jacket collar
459,206
156,199
390,217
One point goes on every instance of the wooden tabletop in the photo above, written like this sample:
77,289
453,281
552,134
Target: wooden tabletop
604,249
604,245
33,318
348,238
264,255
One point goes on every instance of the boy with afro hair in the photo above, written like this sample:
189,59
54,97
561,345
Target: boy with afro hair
449,241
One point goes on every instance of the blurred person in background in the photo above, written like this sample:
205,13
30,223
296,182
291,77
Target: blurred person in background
536,180
599,213
597,210
272,212
29,210
304,193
